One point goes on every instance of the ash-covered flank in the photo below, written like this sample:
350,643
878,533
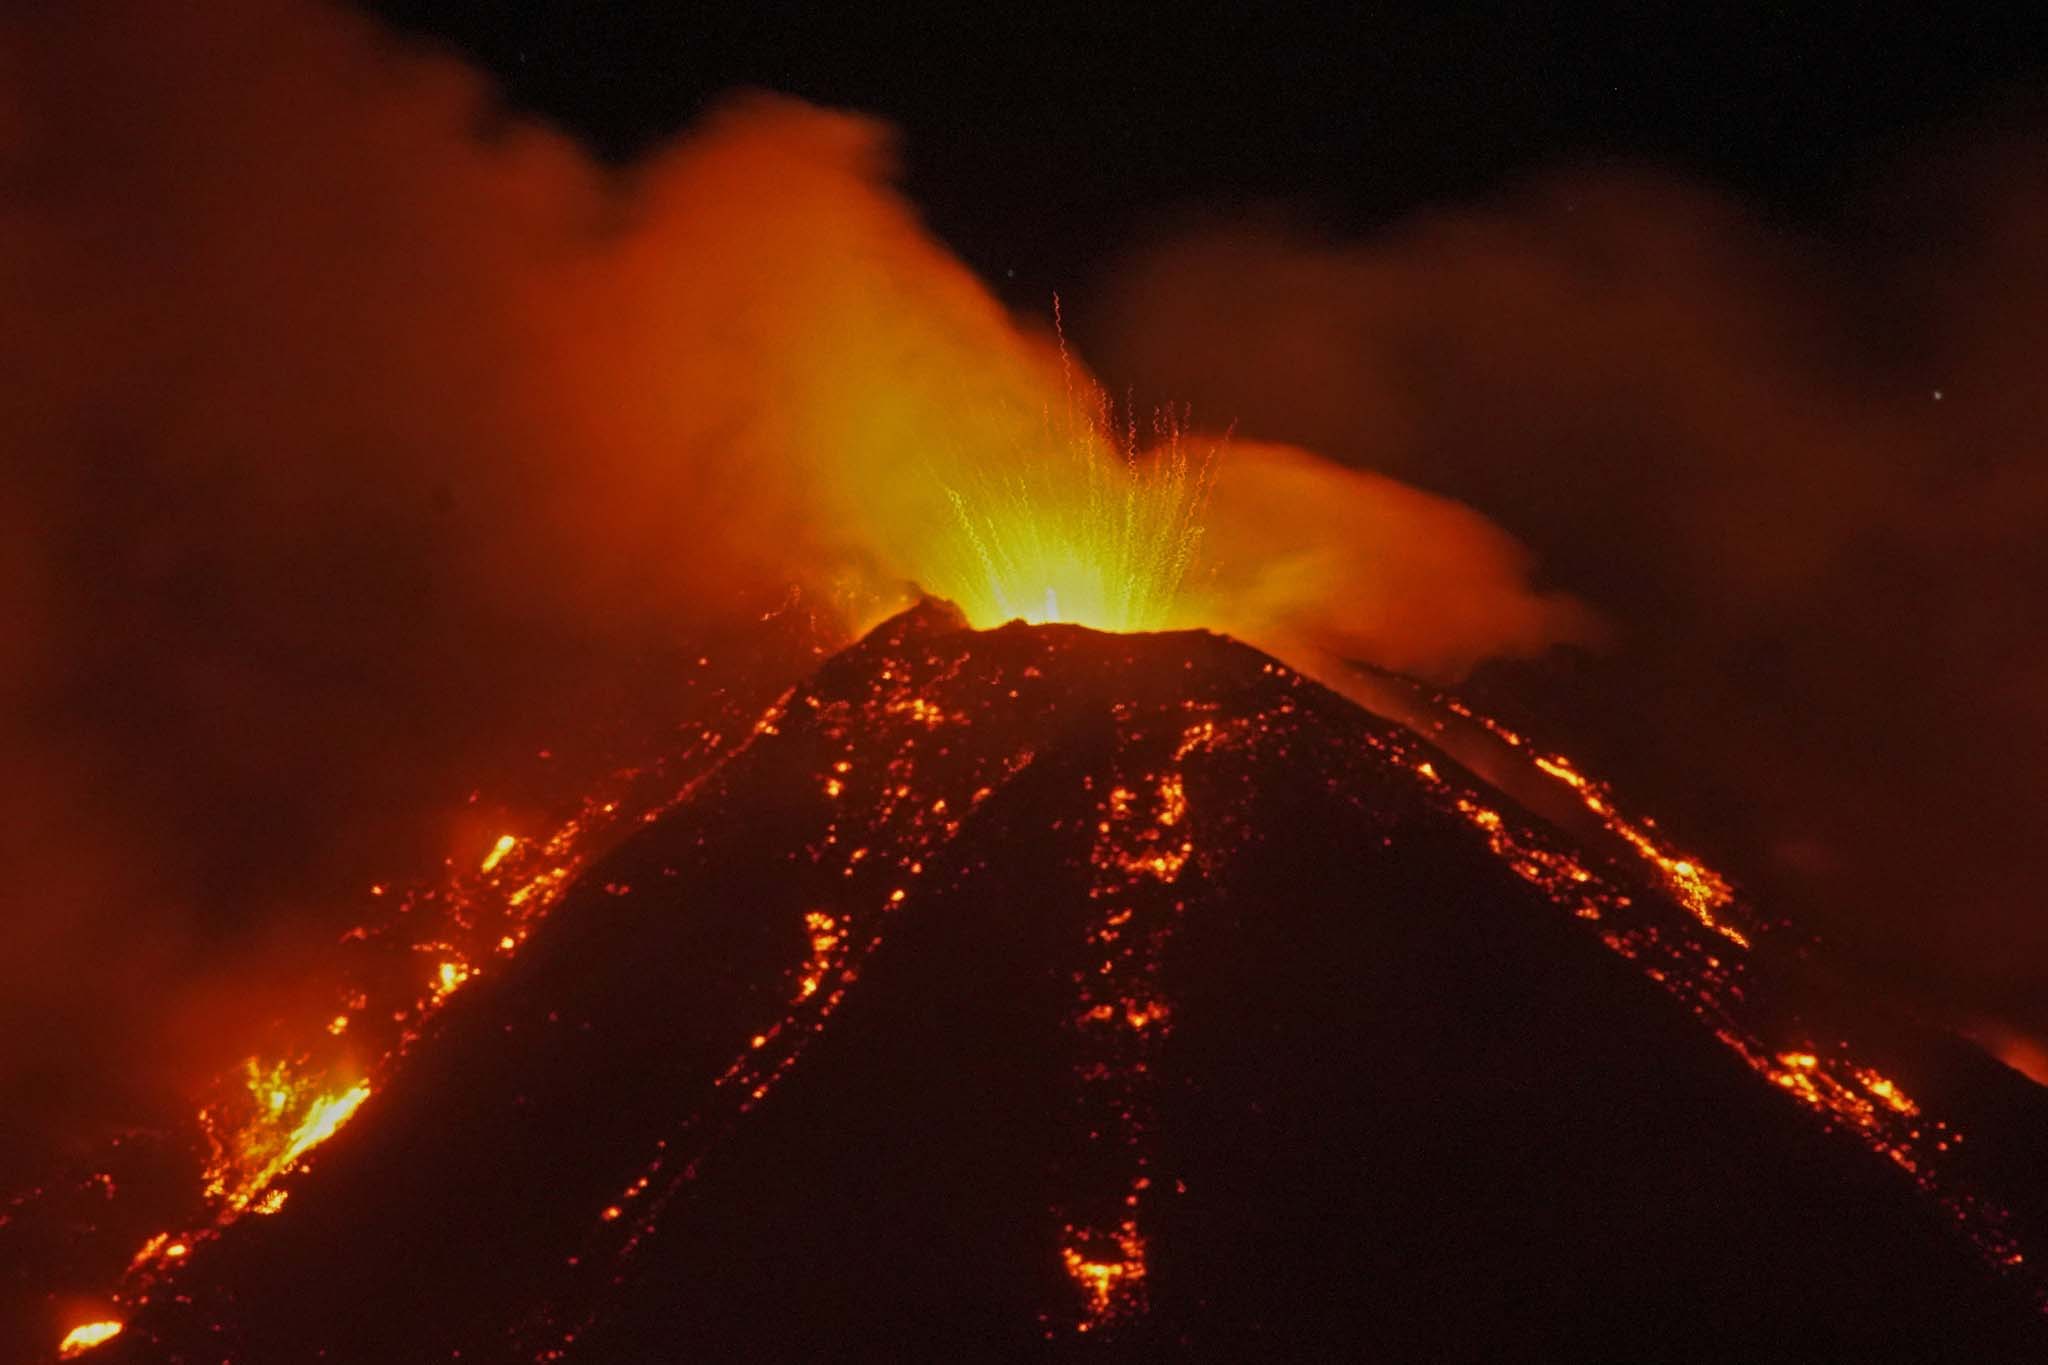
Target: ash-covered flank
1038,992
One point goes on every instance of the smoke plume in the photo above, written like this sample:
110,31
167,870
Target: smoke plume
366,437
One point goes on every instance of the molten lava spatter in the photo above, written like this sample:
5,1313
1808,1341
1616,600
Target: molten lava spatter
1037,990
1092,529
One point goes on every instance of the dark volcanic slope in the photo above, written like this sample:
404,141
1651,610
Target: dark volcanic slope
1040,992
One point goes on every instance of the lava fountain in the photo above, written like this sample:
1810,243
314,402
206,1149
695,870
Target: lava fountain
1095,531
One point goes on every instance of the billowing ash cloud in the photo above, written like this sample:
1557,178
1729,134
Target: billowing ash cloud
360,435
1801,480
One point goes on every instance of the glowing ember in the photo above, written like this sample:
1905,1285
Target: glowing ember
448,978
506,843
158,1251
1110,1288
83,1338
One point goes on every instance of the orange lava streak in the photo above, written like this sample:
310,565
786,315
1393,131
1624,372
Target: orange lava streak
1143,843
1844,1091
1703,892
887,806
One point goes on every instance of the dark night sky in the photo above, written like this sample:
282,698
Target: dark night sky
1037,143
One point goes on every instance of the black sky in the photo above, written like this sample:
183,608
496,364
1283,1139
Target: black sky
1037,143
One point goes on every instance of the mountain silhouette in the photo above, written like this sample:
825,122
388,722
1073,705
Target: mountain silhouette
1037,993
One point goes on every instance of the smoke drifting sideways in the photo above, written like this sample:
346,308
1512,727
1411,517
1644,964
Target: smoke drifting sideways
361,436
1800,476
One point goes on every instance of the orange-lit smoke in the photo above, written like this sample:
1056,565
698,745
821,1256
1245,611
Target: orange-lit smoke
362,434
1323,564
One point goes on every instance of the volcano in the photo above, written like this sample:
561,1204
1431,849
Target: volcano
1037,992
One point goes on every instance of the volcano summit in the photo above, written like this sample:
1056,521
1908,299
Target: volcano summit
1039,992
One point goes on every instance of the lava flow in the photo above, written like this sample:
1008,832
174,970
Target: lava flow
1037,989
118,1230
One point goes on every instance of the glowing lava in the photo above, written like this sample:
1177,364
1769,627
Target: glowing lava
84,1337
1148,771
291,1118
